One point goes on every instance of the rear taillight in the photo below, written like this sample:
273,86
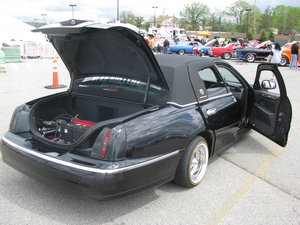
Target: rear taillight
19,121
104,145
110,145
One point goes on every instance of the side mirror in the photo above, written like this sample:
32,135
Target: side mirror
268,84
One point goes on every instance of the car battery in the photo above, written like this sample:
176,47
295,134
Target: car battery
72,131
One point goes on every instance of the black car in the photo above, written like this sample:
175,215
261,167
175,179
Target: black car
131,120
259,52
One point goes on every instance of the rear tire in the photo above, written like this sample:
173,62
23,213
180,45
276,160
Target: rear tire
250,58
181,52
226,55
193,164
284,61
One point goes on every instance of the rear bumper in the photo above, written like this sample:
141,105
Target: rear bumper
107,180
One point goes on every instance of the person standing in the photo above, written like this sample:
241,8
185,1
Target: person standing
275,55
295,55
152,43
166,49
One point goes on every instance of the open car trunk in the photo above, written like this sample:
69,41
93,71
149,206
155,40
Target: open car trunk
71,120
114,77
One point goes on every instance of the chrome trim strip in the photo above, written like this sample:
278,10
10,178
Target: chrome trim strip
202,101
86,168
181,106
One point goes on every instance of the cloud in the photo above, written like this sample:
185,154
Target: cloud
59,10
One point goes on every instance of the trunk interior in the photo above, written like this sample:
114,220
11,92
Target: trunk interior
64,119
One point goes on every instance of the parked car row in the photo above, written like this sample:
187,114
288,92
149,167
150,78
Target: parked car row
231,50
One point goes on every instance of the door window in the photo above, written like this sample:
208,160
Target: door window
231,81
214,84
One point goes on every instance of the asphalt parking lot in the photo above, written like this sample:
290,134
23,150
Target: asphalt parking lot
255,182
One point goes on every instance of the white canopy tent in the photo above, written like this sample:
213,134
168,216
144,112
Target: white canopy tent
14,29
14,32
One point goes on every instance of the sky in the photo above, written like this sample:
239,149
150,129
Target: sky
105,10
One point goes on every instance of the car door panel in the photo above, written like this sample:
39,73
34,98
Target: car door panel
219,107
271,113
221,112
222,116
264,112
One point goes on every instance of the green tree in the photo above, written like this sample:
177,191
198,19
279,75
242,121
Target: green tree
265,22
146,25
127,17
236,11
249,35
138,21
271,36
286,18
175,20
195,14
227,25
185,25
215,20
263,35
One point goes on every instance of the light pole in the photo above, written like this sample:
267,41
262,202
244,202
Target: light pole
118,11
154,18
44,17
72,5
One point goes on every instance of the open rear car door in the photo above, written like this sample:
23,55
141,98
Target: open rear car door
271,110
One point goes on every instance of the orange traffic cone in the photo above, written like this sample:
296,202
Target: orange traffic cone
55,83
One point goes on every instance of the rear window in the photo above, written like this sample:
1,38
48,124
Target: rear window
117,84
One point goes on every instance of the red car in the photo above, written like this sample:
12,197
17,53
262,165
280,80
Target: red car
225,52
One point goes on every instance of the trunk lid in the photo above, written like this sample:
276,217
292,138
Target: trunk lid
91,49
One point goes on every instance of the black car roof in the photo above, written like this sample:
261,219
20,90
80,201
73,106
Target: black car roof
176,61
176,69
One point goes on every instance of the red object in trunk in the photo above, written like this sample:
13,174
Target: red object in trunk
83,122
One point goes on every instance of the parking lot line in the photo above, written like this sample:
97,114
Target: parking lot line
243,189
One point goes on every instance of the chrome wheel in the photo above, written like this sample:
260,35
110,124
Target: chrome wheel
198,163
250,58
226,55
181,52
284,61
193,163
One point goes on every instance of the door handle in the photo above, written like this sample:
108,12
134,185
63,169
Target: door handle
211,112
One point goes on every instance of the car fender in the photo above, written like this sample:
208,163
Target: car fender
158,132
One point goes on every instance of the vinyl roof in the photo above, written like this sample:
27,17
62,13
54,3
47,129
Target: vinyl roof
176,61
176,69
